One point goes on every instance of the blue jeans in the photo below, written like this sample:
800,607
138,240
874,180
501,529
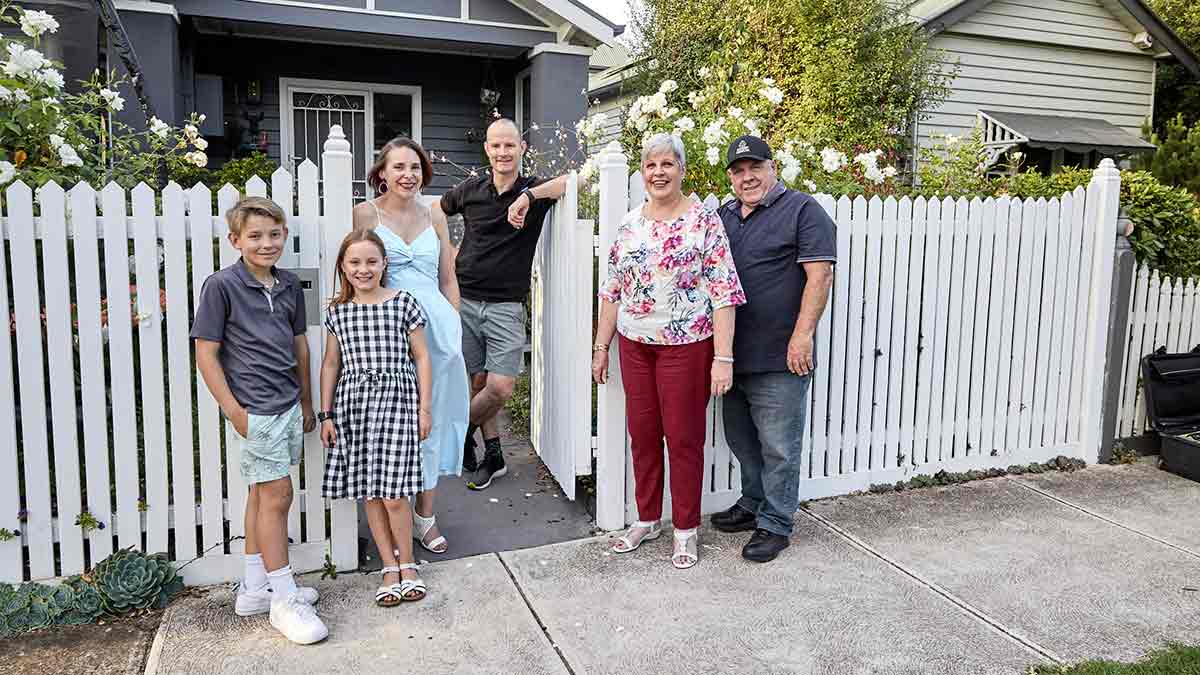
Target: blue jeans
764,426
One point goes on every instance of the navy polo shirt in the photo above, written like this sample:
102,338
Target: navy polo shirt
786,229
256,328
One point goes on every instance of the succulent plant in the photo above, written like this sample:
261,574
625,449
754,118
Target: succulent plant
27,608
85,606
129,580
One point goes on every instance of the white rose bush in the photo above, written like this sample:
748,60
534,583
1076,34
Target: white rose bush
706,123
49,133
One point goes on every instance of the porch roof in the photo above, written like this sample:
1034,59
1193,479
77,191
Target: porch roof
1074,134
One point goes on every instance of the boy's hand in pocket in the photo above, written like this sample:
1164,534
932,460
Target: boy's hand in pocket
328,434
240,420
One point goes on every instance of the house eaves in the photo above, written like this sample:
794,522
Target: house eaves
938,15
573,20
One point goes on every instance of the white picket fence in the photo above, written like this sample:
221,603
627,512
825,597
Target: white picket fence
167,478
959,335
1163,312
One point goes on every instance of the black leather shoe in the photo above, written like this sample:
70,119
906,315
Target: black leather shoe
734,519
764,546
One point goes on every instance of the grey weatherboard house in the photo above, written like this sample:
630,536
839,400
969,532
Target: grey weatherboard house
273,75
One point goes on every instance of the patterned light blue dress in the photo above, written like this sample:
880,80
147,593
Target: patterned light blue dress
414,268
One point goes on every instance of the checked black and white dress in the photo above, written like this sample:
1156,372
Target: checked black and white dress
377,454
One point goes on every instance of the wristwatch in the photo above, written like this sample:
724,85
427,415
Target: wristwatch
528,192
325,415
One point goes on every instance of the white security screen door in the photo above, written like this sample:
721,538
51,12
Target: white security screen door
369,114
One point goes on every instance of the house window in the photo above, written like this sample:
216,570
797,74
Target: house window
370,115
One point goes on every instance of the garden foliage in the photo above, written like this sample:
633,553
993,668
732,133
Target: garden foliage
853,74
124,582
1177,160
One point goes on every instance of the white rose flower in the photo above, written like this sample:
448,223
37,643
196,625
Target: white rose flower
811,186
695,98
642,123
735,112
159,128
34,23
21,96
668,86
191,131
51,78
587,170
6,94
200,144
752,127
713,133
198,158
704,72
669,113
713,155
68,156
56,140
656,103
7,172
790,172
890,172
202,117
832,159
685,124
868,160
23,62
112,98
772,94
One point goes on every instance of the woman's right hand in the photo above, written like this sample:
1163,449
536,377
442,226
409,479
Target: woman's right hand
328,434
600,366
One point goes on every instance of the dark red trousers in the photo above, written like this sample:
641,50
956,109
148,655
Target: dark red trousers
666,394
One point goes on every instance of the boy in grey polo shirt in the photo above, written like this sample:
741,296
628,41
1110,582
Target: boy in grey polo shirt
252,352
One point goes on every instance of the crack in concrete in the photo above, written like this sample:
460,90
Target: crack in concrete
963,605
1106,519
541,624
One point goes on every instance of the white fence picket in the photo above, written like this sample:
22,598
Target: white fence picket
60,362
819,446
866,454
94,398
855,360
12,565
952,394
309,211
235,485
923,428
896,232
1033,231
1080,309
208,418
1137,326
839,353
991,419
973,214
27,310
982,255
148,315
179,372
912,332
941,311
1044,289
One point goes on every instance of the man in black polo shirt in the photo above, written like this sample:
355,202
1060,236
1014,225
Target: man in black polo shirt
784,246
502,214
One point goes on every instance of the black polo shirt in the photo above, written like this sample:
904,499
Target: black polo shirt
495,258
787,228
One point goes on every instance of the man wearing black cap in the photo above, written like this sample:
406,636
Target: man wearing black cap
784,246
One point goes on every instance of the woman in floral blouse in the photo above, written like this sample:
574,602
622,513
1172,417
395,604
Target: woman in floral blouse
670,294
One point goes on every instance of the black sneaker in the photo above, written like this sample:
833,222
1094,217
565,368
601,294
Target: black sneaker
491,468
470,462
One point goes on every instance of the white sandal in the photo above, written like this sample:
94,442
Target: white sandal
387,595
407,587
628,542
686,554
421,527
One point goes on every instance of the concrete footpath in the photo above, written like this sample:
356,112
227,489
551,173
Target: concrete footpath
986,577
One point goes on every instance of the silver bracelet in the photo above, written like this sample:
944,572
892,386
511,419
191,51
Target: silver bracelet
723,359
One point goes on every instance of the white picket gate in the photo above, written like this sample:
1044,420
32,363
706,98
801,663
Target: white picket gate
561,332
959,335
1163,312
166,479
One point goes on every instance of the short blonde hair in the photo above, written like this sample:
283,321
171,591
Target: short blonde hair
253,206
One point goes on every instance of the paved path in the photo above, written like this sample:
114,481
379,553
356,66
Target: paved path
987,577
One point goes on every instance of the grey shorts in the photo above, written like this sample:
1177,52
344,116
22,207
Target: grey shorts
493,336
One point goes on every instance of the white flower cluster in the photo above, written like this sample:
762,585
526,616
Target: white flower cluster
22,61
871,170
645,108
159,128
66,153
7,172
34,23
684,124
192,134
771,92
112,99
789,162
833,160
590,127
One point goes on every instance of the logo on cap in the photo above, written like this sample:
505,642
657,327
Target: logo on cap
742,147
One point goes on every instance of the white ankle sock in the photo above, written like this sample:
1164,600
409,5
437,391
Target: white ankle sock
283,584
255,576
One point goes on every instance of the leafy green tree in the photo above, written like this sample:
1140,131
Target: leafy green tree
853,74
1177,91
1177,160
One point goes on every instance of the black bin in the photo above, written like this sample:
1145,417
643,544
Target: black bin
1171,384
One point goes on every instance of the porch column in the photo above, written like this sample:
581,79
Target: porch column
558,96
153,29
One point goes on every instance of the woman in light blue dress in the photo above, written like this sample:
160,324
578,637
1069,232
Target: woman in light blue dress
420,260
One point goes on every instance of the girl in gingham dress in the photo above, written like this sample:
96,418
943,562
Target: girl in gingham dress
377,360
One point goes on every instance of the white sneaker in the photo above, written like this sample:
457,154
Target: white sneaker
252,603
297,620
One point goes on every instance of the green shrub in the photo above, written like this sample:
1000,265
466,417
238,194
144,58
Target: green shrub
518,407
1177,160
234,172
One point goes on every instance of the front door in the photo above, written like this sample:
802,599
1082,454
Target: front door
369,114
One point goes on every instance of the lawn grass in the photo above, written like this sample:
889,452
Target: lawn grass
1173,659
